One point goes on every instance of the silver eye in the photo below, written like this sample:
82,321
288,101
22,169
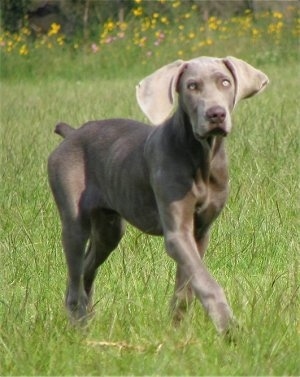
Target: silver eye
226,83
192,86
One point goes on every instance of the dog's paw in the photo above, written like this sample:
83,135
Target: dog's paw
232,333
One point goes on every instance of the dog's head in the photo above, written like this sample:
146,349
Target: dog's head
208,89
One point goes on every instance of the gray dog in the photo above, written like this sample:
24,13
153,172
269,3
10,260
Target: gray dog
169,180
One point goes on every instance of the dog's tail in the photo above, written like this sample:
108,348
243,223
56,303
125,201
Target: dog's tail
63,129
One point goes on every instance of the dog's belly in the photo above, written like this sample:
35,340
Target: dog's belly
148,223
139,208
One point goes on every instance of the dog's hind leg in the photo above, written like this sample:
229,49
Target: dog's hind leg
67,181
74,239
107,229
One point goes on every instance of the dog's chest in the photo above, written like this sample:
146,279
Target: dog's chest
211,194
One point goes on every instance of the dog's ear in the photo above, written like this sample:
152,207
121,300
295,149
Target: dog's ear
248,80
156,93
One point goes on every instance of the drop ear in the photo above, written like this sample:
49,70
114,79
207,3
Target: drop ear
249,81
156,93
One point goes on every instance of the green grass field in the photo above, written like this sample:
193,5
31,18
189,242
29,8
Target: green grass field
253,253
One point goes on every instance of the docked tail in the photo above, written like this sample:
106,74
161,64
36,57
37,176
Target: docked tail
63,129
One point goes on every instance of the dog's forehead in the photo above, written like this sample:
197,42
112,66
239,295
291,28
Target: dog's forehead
205,66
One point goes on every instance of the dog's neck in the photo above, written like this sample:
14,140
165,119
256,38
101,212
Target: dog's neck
203,150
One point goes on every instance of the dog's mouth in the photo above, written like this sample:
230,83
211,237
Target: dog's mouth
217,131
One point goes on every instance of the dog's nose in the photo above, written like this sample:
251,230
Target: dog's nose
216,114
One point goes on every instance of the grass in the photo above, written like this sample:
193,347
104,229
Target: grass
253,253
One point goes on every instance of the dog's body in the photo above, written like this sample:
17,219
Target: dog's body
170,180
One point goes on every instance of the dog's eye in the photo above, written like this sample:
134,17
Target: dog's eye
226,83
192,86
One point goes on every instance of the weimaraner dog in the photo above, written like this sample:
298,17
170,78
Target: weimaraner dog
169,180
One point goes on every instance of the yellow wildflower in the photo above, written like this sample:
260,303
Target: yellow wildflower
54,29
255,33
23,50
60,40
153,23
275,28
137,11
214,23
146,24
277,15
109,26
141,41
25,31
17,38
122,26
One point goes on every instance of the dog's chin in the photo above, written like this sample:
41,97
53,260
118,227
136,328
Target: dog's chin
215,131
218,131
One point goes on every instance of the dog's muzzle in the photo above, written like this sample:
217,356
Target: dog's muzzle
216,118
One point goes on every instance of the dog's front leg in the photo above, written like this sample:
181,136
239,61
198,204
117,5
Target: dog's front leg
182,297
177,219
183,292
